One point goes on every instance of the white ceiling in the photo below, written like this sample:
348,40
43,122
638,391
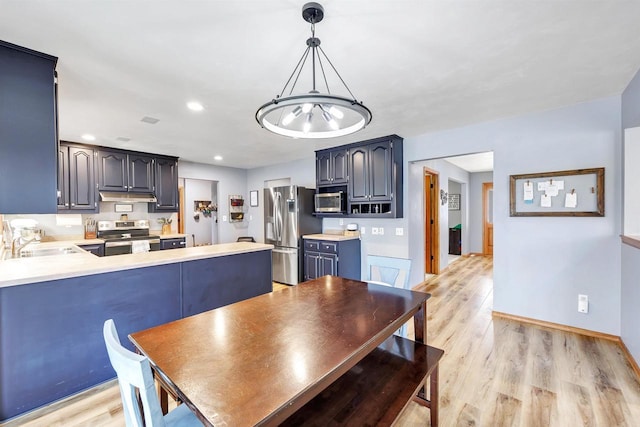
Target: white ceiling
478,162
419,66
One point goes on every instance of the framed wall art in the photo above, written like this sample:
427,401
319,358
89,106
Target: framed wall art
578,192
454,202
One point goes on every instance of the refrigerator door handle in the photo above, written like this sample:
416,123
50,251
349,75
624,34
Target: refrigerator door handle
277,217
284,251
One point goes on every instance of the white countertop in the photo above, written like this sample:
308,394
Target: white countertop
330,237
20,271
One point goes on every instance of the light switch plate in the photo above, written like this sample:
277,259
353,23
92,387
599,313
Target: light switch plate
381,231
224,218
399,231
363,230
374,230
583,303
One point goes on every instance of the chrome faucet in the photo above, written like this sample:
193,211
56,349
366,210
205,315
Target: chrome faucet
17,247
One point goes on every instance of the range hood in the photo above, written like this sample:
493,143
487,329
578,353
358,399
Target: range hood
106,196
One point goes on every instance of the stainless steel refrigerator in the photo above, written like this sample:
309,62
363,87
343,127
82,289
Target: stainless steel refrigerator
288,215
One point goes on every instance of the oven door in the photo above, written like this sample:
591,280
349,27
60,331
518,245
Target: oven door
120,247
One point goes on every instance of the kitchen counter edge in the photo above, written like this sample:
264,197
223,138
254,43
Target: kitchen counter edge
23,271
330,237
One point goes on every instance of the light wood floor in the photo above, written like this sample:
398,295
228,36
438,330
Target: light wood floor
493,373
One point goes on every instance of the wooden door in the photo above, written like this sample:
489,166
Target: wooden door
487,218
431,223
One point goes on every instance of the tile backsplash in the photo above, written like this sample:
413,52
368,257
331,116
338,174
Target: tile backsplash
73,224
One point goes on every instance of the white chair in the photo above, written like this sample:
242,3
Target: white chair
137,388
392,272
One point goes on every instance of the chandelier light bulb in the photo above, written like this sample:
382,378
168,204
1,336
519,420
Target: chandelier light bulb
307,107
335,112
292,115
307,125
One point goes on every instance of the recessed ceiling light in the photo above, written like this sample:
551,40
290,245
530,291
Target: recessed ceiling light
88,137
150,120
218,157
195,106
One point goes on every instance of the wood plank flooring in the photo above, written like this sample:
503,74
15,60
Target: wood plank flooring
497,372
494,372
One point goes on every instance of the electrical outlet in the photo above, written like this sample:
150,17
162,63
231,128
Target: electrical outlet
363,230
399,231
341,221
374,230
583,303
381,231
250,217
224,218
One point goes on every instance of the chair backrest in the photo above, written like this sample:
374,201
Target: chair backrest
390,271
135,378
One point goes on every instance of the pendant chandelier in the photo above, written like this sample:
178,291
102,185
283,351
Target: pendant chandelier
313,114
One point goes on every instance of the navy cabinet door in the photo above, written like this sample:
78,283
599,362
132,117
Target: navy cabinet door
359,166
63,177
112,171
328,264
311,264
140,174
28,140
323,168
380,167
339,166
166,188
82,189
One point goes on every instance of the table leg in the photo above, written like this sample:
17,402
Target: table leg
433,397
420,324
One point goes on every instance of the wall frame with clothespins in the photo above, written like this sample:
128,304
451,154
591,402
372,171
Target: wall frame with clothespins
578,192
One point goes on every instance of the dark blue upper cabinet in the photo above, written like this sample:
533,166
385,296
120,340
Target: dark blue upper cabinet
28,131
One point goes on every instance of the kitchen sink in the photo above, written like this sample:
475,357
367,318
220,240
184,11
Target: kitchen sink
63,250
34,251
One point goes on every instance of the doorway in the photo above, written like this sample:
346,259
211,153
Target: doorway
487,218
199,211
431,223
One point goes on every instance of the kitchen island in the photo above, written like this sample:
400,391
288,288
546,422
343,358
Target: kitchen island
52,309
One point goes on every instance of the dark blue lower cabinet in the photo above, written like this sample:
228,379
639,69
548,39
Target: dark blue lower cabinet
51,343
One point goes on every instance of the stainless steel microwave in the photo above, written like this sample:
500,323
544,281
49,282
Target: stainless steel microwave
331,202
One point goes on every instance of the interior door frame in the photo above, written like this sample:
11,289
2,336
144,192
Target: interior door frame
486,187
431,240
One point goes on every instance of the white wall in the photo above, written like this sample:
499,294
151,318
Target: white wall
630,292
541,264
455,216
300,172
415,213
230,181
475,209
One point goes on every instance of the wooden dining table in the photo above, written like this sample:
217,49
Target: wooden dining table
257,361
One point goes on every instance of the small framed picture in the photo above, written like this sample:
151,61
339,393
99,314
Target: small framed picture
454,202
253,198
